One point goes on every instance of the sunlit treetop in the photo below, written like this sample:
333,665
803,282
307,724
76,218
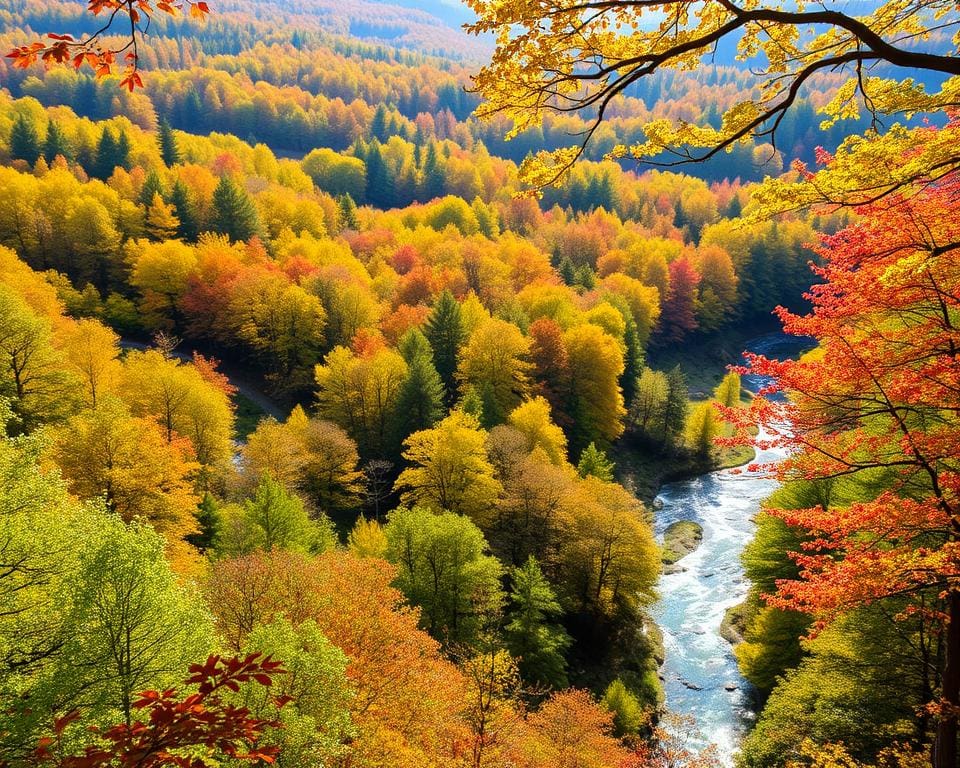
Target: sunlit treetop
559,56
130,19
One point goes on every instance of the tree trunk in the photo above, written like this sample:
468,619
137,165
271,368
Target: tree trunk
945,745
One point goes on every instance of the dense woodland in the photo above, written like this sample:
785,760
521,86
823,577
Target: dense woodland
430,534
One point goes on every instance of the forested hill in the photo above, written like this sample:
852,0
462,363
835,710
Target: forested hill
312,73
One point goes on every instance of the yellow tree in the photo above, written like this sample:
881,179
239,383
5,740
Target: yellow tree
495,362
532,419
608,555
128,461
183,402
596,363
361,393
450,470
92,351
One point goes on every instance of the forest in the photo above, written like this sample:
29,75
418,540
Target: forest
344,353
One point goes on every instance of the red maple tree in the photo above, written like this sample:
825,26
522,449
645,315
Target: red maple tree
879,399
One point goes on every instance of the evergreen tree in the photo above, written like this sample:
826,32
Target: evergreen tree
123,150
675,411
152,185
56,143
380,182
433,182
446,334
347,210
568,272
234,214
378,126
594,462
421,397
185,211
538,643
208,518
169,150
24,141
107,155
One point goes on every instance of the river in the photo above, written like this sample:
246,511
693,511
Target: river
701,679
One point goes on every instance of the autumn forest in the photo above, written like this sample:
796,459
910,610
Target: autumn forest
506,384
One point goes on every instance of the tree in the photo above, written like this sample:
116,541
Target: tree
184,209
234,214
531,638
314,726
494,361
24,141
361,394
92,351
184,403
628,715
129,462
279,519
367,539
524,84
596,363
678,313
202,723
32,374
649,406
571,730
702,428
167,142
283,323
161,219
407,698
551,367
532,420
876,406
56,143
421,399
449,469
443,569
608,558
675,410
727,392
134,626
594,463
446,334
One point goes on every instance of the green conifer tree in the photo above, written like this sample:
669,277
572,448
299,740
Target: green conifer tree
234,214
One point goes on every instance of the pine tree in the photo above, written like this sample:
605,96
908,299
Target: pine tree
169,150
123,150
234,214
152,186
209,520
107,155
380,182
567,271
378,126
675,412
594,462
24,141
56,143
530,635
185,211
421,397
433,182
446,334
